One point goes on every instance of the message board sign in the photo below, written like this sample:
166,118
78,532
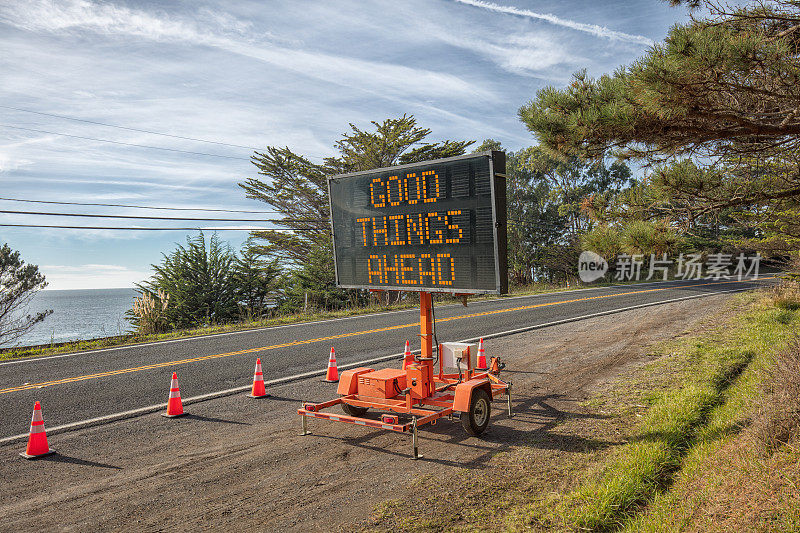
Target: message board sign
437,226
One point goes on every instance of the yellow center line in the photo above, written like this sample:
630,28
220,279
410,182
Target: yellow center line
332,337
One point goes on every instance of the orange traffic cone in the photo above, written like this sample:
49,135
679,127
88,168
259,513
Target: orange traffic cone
481,357
408,359
259,391
37,439
333,372
174,404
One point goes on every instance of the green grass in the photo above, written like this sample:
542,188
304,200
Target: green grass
683,426
675,509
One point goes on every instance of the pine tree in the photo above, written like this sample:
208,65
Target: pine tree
546,202
715,108
727,84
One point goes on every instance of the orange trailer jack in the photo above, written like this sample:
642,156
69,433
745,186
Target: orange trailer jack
416,391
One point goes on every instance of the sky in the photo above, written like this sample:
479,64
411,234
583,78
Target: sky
255,74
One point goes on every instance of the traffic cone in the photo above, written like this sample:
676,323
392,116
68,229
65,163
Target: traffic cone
37,439
333,373
408,359
259,391
174,404
481,357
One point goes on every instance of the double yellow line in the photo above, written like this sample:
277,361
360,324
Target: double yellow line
332,337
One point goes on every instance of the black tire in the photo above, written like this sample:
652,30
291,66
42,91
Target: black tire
352,410
480,409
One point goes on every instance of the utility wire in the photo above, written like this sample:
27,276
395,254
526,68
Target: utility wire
128,128
152,229
137,206
92,215
125,144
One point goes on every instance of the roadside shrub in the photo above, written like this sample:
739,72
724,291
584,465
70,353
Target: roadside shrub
777,420
786,295
149,312
199,280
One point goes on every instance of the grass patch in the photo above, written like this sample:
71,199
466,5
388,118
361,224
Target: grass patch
786,296
743,471
684,426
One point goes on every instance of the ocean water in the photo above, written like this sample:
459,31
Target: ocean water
79,315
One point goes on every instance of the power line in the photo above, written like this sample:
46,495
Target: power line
128,128
152,229
125,144
93,215
44,213
137,206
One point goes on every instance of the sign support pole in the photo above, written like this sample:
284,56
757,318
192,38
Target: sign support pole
426,324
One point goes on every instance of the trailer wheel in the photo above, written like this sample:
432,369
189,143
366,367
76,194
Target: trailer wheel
480,407
352,410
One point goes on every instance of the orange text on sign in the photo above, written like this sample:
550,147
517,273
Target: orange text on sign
413,188
412,269
438,227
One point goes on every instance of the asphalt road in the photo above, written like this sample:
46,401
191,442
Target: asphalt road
81,386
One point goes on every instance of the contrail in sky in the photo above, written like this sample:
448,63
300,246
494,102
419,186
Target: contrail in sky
594,29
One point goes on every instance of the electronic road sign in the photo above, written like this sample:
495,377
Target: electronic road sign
437,226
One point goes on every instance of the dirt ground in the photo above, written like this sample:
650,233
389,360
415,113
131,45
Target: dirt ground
237,462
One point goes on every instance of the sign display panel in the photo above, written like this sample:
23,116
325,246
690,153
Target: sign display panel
436,226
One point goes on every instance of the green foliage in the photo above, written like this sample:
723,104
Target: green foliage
730,203
536,227
256,283
645,237
199,280
608,241
635,237
722,89
19,283
547,201
721,85
314,285
205,283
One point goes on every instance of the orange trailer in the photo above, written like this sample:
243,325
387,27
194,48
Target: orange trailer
419,390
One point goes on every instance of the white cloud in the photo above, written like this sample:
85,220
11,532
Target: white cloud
379,78
593,29
91,276
525,53
9,158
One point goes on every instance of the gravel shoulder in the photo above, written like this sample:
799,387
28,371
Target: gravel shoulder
237,462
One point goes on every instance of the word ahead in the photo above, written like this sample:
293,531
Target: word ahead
435,226
408,269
